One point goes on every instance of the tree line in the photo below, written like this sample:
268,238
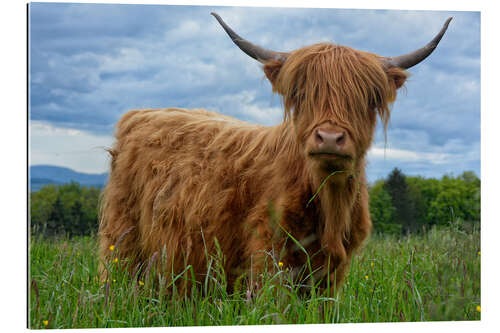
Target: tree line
399,204
402,204
69,209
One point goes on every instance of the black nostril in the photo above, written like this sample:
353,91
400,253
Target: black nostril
340,139
319,138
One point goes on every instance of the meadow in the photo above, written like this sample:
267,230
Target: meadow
433,276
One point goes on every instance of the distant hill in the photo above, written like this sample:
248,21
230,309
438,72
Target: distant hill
41,175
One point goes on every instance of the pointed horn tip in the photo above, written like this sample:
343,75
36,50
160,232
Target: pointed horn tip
217,17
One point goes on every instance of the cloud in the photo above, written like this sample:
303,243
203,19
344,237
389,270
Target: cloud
244,106
408,156
73,148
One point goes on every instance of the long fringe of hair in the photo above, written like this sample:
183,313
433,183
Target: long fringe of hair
326,81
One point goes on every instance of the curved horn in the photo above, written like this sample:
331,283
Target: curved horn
411,59
259,53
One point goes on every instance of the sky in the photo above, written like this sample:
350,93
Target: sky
90,63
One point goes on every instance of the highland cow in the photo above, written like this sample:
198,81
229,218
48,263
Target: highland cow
188,181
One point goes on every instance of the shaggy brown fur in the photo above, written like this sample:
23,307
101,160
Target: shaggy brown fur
182,178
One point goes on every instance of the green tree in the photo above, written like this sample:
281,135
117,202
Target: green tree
77,218
90,202
56,221
404,209
68,209
382,211
41,203
422,192
458,200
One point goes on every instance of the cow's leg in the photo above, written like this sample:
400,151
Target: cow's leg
261,249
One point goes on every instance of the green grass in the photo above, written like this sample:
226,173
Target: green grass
435,276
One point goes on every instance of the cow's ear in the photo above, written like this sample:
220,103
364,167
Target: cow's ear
397,77
272,69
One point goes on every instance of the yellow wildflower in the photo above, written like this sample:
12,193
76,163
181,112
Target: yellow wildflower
115,260
280,264
366,277
114,280
479,253
111,247
141,283
45,322
478,308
